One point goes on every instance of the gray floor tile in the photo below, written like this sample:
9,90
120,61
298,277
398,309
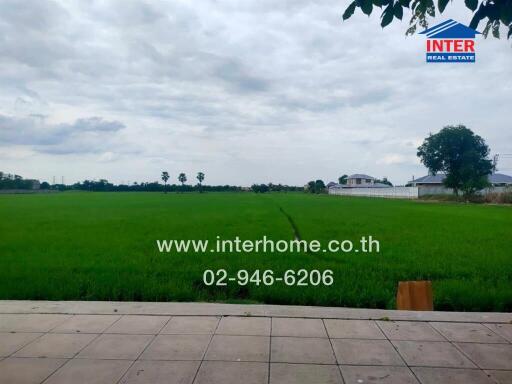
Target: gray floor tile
56,345
432,354
353,374
11,342
30,322
177,347
239,348
504,330
161,372
86,324
27,371
353,329
302,350
489,356
138,324
298,327
89,371
253,326
192,325
451,375
468,332
116,347
410,330
501,377
304,374
222,372
366,352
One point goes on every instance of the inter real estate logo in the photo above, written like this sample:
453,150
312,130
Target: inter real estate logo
450,42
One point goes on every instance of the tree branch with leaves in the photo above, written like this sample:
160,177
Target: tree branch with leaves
494,13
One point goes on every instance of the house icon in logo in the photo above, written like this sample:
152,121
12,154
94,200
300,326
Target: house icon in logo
450,42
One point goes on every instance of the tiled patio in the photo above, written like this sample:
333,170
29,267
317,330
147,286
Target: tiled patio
78,348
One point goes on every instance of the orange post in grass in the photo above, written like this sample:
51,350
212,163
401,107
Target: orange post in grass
415,296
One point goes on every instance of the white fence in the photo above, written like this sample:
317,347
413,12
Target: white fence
392,192
425,190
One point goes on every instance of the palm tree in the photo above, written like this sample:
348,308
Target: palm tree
200,178
165,177
182,179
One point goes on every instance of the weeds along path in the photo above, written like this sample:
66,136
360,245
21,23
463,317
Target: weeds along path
297,236
295,229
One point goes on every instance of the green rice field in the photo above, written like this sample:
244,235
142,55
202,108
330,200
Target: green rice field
102,246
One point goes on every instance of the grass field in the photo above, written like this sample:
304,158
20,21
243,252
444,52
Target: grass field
102,246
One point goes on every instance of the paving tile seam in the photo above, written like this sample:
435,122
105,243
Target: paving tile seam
60,323
269,352
482,342
436,330
143,350
312,316
25,344
476,368
495,369
503,341
467,355
345,381
330,343
486,325
397,351
340,367
206,350
55,370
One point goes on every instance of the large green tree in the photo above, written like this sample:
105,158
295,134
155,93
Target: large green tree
316,186
461,155
493,13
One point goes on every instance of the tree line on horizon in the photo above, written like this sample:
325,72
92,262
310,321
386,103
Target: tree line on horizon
103,185
454,151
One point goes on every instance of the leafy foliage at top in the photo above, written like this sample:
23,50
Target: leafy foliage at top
493,13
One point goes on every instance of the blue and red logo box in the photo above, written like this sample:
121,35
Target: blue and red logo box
450,42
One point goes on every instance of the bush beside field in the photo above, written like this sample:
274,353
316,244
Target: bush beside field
102,246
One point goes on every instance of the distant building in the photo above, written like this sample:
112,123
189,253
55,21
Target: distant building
359,180
495,179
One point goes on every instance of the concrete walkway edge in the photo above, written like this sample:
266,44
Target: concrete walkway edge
255,310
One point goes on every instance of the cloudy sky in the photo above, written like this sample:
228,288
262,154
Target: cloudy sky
245,91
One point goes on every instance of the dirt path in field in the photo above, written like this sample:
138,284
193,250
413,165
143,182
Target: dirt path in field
295,229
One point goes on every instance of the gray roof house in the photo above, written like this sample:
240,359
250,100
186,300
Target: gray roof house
359,180
496,179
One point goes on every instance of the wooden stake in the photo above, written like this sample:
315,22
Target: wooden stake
415,296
